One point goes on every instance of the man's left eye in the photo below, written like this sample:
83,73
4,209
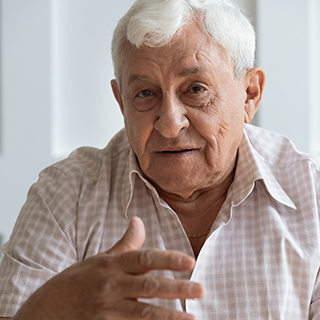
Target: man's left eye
144,93
196,89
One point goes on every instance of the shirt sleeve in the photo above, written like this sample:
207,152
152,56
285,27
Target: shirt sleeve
42,243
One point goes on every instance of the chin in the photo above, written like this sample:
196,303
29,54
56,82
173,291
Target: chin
175,186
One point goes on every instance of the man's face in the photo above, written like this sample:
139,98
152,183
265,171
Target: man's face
184,112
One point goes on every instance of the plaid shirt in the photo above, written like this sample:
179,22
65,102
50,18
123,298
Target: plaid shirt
260,260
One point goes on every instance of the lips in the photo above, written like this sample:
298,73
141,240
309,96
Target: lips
176,151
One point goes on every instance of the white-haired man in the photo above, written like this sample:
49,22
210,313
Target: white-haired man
188,213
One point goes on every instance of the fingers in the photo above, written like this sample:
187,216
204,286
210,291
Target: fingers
150,287
130,309
137,262
133,239
127,282
143,261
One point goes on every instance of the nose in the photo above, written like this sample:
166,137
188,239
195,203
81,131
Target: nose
171,118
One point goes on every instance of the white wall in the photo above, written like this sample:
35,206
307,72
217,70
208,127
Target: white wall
56,67
25,99
289,51
84,110
55,92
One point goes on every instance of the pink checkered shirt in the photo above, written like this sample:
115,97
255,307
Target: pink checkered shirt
260,261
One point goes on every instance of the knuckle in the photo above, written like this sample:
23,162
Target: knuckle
135,311
150,285
110,285
107,277
106,261
145,259
171,260
123,260
150,312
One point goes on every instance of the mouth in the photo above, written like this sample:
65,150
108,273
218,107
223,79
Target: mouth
176,151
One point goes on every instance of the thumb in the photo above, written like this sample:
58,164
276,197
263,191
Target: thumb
133,239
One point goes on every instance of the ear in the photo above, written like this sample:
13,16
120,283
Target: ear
255,80
117,93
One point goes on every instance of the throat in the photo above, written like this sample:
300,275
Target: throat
197,245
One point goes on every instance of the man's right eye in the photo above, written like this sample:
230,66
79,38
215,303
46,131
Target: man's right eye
144,93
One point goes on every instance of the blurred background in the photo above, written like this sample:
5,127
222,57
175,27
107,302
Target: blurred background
55,70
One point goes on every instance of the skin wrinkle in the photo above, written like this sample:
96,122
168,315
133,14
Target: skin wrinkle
217,118
197,104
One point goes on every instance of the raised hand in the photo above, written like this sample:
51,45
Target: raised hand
108,285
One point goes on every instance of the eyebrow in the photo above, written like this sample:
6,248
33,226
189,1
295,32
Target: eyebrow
136,78
189,71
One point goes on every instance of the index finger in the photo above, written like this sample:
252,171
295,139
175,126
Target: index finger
143,261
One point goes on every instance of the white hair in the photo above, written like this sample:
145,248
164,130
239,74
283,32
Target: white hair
154,23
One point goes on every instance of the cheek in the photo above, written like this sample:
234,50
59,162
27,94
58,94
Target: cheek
139,127
221,126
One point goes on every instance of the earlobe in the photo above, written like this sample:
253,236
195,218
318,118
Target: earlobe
116,93
255,81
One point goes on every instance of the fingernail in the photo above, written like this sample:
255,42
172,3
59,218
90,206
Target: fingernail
196,290
187,262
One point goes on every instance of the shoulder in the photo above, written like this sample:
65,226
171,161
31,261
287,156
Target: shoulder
278,150
90,160
84,171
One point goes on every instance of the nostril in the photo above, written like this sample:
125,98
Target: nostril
170,127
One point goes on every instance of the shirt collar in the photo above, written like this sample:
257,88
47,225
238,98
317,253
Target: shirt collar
251,167
132,171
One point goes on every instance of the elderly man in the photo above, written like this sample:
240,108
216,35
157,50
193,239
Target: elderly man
190,213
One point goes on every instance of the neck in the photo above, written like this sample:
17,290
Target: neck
198,212
203,202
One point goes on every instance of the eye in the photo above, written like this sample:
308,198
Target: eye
144,93
196,89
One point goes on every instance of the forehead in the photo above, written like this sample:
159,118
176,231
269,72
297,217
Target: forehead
189,53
